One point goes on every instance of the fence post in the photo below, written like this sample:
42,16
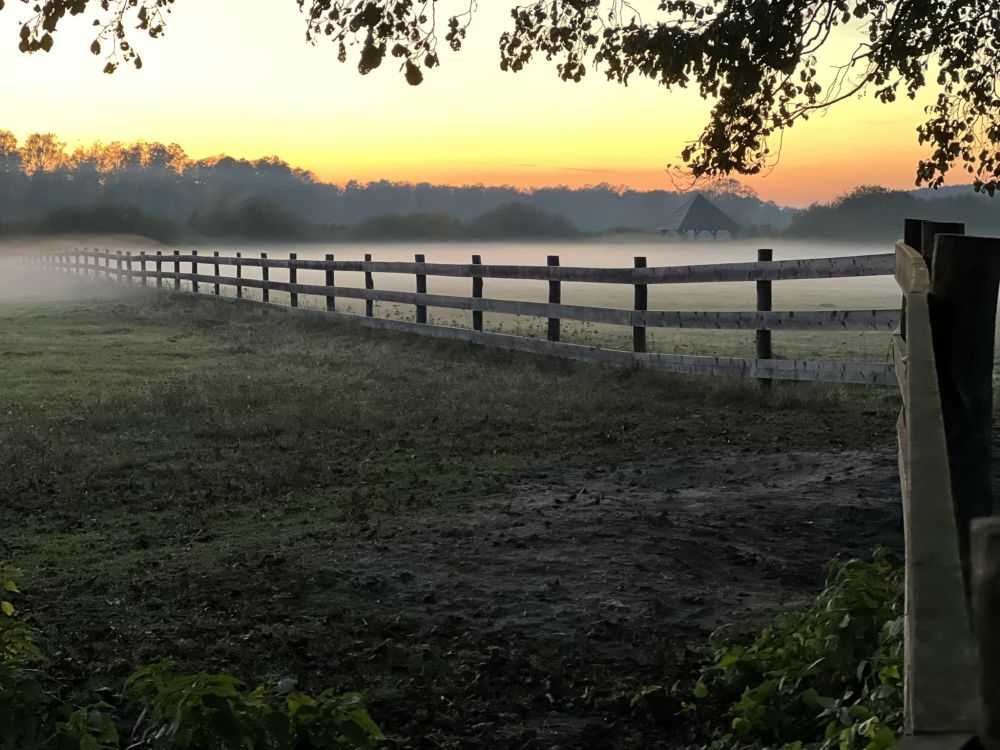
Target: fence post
265,275
142,267
293,278
919,235
218,288
76,264
477,293
194,270
177,271
555,298
107,264
421,289
239,276
764,304
985,553
641,304
369,284
128,267
965,279
331,300
118,266
159,269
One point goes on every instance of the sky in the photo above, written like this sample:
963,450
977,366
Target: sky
237,77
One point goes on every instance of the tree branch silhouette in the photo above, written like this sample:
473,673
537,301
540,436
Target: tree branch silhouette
755,59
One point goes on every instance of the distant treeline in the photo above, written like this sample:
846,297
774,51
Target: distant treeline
158,191
262,220
875,213
41,175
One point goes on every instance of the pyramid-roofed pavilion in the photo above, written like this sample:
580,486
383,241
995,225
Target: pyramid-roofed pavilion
699,215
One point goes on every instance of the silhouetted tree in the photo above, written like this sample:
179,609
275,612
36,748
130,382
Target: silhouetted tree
872,212
517,220
757,59
163,181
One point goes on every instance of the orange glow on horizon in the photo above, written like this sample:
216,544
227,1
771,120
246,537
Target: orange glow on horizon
235,77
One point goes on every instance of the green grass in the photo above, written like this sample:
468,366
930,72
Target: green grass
147,413
174,470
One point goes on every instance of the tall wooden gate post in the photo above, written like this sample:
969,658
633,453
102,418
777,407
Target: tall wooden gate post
940,669
965,279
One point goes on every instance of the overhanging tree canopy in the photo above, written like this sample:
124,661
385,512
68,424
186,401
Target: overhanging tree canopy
756,59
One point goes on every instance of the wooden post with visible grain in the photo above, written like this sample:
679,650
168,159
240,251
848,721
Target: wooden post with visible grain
239,275
218,288
293,277
555,298
640,305
118,266
421,289
177,271
330,280
159,268
142,267
985,559
477,293
940,696
265,275
764,304
919,235
369,284
965,279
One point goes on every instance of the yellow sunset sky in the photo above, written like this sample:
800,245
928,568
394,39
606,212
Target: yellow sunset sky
237,77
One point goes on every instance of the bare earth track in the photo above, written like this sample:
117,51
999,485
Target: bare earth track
525,619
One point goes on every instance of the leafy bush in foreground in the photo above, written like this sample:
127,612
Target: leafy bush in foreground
181,710
824,677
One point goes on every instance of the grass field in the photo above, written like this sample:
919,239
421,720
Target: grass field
176,472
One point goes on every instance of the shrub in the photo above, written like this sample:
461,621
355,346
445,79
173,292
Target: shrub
180,709
824,677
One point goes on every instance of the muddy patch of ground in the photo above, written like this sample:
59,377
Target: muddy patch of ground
618,568
526,620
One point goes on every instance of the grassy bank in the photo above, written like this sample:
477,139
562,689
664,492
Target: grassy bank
172,468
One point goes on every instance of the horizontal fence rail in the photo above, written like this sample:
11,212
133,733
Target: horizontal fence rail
810,268
171,270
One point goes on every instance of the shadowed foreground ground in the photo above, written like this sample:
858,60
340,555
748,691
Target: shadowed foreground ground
498,550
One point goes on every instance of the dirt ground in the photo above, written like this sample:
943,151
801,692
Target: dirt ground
526,619
497,551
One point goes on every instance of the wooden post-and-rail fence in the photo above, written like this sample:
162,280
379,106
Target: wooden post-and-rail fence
944,359
188,269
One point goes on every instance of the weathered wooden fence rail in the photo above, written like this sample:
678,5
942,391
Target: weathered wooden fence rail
175,269
944,358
